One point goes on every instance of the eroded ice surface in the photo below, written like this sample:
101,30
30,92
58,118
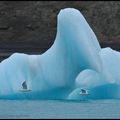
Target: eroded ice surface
74,61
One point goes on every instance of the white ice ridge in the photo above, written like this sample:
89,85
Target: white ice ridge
74,62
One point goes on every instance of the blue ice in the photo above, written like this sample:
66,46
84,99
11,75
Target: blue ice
75,61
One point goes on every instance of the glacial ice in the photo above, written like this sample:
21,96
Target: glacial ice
74,61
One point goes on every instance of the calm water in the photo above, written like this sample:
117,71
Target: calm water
59,109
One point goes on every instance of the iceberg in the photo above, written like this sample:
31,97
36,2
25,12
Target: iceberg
75,61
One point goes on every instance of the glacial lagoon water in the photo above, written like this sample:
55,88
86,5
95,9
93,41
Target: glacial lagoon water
109,108
74,61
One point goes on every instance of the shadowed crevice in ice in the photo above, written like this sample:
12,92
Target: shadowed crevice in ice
74,61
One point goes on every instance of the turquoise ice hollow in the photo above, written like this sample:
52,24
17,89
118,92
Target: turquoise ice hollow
75,61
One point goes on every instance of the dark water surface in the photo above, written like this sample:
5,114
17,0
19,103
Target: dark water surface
59,109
